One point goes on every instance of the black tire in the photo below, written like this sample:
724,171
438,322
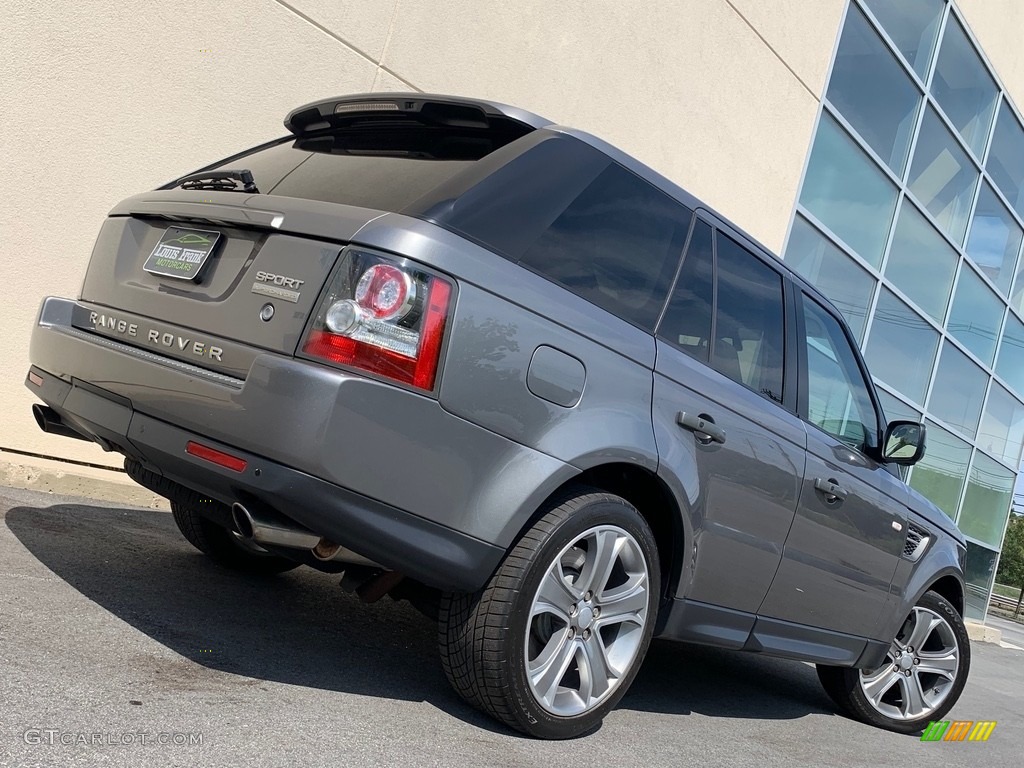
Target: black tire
483,636
222,546
844,686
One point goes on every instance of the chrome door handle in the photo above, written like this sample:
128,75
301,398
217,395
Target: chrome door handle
830,489
702,426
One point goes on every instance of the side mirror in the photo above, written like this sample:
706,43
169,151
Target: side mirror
904,443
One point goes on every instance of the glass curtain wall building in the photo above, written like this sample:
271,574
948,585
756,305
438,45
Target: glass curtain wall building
910,218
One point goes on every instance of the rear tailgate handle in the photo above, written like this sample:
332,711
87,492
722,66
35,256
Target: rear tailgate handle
703,426
830,489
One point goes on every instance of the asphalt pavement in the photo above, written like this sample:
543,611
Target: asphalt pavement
121,645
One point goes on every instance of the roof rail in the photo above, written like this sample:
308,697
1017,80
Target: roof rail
431,109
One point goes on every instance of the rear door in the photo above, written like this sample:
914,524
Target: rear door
727,441
851,524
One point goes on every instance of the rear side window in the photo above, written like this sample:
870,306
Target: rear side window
749,320
616,245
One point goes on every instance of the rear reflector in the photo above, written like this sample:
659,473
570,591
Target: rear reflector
35,378
214,456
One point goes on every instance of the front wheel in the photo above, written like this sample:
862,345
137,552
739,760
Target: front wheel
922,676
552,643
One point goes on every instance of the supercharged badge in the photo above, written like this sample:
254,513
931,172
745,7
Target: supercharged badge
277,286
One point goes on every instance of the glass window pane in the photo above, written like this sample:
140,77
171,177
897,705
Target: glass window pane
976,316
963,87
873,92
687,322
918,249
912,25
837,395
987,501
895,409
617,245
959,391
845,283
995,239
901,348
1002,426
1017,294
979,571
940,475
749,328
1006,158
942,177
1011,355
847,192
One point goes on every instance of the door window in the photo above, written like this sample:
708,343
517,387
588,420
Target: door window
837,395
749,320
687,323
738,329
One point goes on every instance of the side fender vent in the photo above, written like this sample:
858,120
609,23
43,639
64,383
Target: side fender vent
916,543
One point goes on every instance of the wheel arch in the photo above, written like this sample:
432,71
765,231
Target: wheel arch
653,500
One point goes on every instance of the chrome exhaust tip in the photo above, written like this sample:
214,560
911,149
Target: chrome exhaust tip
271,529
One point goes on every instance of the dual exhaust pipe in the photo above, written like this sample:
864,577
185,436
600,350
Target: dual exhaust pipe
266,527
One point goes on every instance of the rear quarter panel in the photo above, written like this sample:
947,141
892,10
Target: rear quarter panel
503,315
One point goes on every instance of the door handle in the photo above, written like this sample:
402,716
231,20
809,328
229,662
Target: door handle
703,426
830,489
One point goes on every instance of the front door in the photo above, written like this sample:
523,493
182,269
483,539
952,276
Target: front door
850,527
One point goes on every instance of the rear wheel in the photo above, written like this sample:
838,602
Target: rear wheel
922,676
552,643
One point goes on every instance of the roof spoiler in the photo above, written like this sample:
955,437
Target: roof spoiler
431,109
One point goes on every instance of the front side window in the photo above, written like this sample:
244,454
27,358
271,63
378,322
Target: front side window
837,395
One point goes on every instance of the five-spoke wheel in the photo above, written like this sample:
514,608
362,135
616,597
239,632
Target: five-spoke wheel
554,640
923,673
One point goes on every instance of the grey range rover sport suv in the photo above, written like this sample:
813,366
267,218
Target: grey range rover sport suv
503,369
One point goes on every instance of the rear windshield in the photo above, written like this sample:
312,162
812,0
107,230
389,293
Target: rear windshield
386,167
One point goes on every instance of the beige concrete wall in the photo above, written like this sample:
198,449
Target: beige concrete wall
102,99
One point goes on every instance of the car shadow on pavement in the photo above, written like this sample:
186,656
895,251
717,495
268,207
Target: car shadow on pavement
301,628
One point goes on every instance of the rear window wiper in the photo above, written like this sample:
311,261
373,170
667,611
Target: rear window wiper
221,181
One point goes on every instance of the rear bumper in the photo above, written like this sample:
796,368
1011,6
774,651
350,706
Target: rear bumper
421,549
383,471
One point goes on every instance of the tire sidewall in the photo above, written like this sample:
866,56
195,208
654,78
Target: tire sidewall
599,510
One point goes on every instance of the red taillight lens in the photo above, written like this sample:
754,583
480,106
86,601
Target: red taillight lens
384,318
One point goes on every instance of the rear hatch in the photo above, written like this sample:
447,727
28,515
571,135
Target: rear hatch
235,256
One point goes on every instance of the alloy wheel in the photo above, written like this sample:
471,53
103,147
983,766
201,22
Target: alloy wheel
586,621
919,671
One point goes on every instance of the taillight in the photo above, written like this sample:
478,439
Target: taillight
384,317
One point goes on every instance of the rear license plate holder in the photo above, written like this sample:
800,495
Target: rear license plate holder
182,253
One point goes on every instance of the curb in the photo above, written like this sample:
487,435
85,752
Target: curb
980,633
46,476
